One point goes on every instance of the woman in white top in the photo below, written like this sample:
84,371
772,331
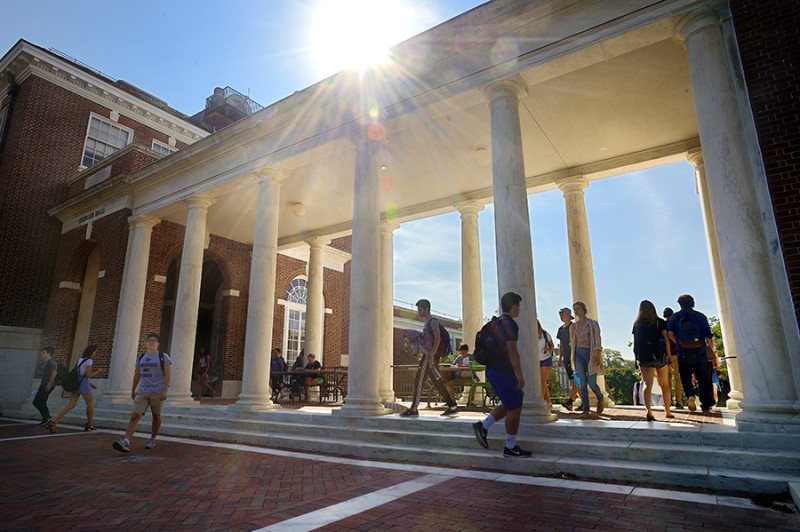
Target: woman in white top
85,371
546,349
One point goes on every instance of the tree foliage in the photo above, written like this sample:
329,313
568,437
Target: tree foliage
621,375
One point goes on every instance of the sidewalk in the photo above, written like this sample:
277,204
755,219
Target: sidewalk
75,480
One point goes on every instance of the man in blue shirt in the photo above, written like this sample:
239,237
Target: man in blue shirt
505,375
691,333
49,371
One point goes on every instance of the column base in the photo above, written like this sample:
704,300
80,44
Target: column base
387,396
114,398
179,399
768,417
368,407
535,412
253,403
734,401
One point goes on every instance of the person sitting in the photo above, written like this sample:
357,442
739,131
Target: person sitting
277,364
460,378
312,378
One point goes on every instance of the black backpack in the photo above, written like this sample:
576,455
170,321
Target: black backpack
72,381
61,375
645,340
445,348
689,336
487,347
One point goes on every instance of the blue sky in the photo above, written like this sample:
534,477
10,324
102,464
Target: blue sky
646,228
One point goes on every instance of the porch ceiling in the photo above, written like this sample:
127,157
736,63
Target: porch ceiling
581,109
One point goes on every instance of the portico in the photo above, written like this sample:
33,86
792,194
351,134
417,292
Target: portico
560,101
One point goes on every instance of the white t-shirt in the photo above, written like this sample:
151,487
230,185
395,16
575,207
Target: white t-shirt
544,346
151,378
83,365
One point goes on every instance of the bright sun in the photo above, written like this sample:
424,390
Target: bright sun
358,33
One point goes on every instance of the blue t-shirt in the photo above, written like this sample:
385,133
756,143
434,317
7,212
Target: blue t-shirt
277,364
702,323
48,367
507,331
151,378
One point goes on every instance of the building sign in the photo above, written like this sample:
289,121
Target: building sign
87,217
91,216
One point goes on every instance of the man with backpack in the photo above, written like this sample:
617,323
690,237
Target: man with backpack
434,345
150,386
691,333
49,373
504,372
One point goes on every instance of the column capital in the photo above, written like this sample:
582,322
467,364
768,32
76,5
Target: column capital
695,157
318,242
272,172
514,87
200,200
468,207
573,184
388,226
690,22
143,221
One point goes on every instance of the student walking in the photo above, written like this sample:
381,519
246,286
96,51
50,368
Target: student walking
546,349
85,372
565,355
587,355
46,385
504,372
431,346
150,386
690,331
203,372
651,348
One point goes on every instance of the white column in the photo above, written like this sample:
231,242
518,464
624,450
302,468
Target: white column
764,359
386,386
187,300
261,298
363,397
471,286
127,330
696,158
580,251
315,305
513,235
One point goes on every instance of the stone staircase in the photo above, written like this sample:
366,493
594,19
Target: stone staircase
703,457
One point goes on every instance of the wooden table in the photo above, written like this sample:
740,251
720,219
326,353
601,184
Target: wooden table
333,387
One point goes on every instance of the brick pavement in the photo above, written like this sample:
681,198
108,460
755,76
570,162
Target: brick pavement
76,481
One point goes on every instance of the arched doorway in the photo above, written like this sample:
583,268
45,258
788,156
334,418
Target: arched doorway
294,327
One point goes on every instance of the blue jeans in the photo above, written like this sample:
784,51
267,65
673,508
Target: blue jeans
582,356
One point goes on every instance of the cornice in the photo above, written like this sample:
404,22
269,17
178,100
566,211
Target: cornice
29,60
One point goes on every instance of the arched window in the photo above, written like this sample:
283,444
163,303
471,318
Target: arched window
295,321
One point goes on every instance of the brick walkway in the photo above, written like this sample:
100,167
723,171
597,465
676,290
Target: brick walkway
76,481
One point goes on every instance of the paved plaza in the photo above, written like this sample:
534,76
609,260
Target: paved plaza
74,480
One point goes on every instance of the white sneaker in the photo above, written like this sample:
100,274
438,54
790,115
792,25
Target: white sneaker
151,444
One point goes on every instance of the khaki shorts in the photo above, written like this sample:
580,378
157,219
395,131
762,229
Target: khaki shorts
145,399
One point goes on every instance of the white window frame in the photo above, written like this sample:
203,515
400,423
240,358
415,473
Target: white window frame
163,148
111,124
290,306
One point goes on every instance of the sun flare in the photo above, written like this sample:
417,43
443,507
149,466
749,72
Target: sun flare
358,33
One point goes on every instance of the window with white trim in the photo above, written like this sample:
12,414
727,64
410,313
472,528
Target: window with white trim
104,138
295,320
163,149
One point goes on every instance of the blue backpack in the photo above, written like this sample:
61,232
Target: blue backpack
690,337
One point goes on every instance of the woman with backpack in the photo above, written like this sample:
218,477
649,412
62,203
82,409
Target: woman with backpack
546,349
85,371
651,347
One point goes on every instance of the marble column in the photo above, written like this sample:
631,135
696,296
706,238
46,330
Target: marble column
261,297
127,331
513,235
315,305
764,358
696,158
471,286
386,386
187,299
580,250
363,397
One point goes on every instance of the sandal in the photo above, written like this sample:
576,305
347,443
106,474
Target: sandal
87,427
651,417
52,427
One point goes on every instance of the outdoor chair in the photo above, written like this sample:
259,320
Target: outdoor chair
486,386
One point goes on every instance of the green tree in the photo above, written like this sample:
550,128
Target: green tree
621,375
716,330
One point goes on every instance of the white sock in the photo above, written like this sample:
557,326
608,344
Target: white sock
488,422
511,441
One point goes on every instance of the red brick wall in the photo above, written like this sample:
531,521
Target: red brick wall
770,48
44,149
